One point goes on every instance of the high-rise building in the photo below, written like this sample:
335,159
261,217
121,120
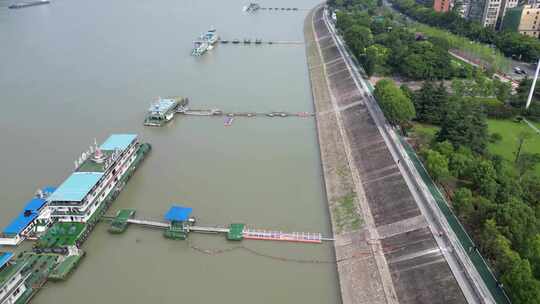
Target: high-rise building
462,7
523,19
505,6
475,10
491,13
441,5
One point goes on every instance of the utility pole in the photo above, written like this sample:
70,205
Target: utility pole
533,85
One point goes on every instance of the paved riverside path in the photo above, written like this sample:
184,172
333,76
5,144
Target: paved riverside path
405,258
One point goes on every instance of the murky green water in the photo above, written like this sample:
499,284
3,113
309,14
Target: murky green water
77,70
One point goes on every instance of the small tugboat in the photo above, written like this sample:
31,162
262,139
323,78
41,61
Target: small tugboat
163,110
236,41
29,3
258,41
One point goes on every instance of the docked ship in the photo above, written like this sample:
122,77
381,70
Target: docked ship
199,48
205,43
66,215
29,3
163,110
33,220
99,171
211,37
252,7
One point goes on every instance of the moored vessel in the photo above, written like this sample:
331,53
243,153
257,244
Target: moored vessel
163,109
199,48
28,3
205,43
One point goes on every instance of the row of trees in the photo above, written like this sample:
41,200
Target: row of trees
510,43
384,48
497,200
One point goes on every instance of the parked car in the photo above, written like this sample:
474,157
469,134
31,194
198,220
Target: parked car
519,70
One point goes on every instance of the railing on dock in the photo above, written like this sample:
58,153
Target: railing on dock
149,223
301,237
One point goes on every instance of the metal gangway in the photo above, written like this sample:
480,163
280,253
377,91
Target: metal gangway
149,223
300,237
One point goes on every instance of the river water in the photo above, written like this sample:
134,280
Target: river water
77,70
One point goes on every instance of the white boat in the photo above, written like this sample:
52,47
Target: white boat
199,48
211,37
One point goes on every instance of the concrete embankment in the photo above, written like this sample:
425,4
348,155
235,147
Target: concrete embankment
385,250
358,276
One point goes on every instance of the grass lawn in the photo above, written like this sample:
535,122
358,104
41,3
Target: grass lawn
537,124
509,143
509,131
425,128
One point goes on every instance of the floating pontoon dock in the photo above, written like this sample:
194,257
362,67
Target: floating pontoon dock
179,224
218,112
258,41
183,109
254,7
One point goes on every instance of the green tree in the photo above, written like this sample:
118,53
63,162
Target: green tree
527,163
463,204
358,38
464,123
437,165
533,255
502,90
531,190
397,108
430,102
376,59
445,148
519,280
517,222
461,162
483,177
522,137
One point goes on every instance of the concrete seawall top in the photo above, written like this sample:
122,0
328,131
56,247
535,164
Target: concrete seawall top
385,250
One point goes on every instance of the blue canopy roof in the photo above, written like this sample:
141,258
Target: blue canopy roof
118,141
4,258
29,213
178,214
76,186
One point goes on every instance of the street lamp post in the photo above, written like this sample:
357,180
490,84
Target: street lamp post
533,85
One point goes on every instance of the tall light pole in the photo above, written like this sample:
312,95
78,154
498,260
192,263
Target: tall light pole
533,85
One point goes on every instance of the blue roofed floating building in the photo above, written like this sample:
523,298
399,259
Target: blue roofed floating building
33,219
98,172
179,222
13,277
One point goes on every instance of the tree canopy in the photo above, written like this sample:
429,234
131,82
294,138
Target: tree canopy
396,106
